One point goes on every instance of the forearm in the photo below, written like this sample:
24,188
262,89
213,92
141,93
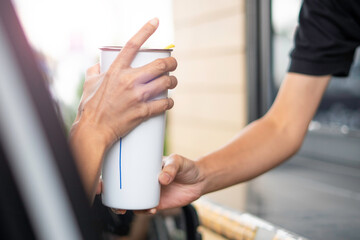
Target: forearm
270,140
258,148
88,149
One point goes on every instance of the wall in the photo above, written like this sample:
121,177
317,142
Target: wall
210,100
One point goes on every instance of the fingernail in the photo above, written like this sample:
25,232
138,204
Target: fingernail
154,22
152,211
166,177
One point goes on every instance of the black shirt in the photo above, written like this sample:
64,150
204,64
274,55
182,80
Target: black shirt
326,38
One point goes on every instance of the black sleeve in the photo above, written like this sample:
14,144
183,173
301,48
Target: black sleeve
326,38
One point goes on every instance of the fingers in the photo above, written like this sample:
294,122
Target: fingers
93,70
159,106
147,211
154,69
171,168
154,107
118,211
130,49
157,86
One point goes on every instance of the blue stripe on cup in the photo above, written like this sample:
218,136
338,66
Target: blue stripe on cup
120,163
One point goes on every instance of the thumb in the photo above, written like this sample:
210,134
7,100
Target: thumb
93,70
172,164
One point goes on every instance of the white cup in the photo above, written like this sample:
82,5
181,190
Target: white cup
131,166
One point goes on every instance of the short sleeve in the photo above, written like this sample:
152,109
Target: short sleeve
326,38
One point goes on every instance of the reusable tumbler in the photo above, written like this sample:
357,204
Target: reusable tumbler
131,166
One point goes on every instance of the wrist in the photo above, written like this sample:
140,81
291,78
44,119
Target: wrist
83,135
215,176
88,147
84,127
203,176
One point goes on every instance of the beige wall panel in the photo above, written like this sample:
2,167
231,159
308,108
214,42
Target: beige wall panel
210,100
220,73
216,5
196,140
224,32
218,108
204,9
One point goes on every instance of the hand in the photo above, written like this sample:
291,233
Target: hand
116,101
182,182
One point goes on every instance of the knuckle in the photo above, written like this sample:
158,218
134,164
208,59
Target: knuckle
161,64
143,96
144,111
174,161
171,167
175,157
127,80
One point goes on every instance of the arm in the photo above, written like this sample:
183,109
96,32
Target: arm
115,102
270,140
259,147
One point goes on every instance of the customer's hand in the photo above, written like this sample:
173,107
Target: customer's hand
115,102
182,182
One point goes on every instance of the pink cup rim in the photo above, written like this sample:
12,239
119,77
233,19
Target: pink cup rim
118,48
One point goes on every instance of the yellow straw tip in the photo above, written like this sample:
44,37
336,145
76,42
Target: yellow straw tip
170,46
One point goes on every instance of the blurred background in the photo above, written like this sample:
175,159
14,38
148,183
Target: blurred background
232,56
67,36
